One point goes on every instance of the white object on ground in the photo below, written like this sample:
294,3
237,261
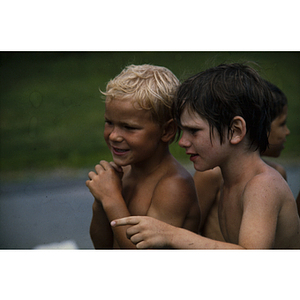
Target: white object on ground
62,245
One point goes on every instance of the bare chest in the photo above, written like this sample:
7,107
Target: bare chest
230,215
138,196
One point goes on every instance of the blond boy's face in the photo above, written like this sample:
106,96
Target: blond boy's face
279,132
205,152
130,133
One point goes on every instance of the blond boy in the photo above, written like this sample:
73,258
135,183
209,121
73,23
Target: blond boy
145,178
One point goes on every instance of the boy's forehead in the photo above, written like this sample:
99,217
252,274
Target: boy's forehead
125,103
191,118
118,99
129,102
126,108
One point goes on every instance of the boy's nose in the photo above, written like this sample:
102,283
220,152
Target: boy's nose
287,131
183,142
115,135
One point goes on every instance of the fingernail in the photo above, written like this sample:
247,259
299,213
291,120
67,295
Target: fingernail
112,223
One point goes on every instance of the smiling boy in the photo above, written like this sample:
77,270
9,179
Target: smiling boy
224,116
144,177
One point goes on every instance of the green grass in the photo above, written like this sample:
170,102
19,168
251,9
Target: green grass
52,110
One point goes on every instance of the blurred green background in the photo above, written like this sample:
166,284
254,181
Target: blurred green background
52,110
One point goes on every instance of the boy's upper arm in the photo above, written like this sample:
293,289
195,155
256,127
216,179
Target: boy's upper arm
261,207
172,200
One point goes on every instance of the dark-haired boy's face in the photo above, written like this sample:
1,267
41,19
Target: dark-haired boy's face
204,149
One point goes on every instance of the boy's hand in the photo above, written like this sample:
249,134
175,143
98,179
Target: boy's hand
146,232
118,169
105,183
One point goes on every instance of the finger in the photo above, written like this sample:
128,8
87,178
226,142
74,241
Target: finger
125,221
105,165
132,231
91,175
142,245
116,167
99,169
137,238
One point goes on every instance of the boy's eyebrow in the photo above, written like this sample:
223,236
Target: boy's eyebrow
190,128
187,126
129,124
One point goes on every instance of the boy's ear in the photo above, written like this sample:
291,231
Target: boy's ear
238,130
169,131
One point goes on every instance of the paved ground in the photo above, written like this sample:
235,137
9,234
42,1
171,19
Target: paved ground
56,212
46,211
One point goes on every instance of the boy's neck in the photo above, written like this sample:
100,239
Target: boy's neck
149,166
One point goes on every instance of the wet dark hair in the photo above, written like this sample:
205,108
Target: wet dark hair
223,92
279,100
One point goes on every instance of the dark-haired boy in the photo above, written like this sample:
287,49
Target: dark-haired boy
209,183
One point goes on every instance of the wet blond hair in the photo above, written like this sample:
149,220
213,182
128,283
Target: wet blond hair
149,87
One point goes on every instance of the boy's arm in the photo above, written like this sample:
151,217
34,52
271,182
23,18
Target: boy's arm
146,233
262,202
100,229
106,187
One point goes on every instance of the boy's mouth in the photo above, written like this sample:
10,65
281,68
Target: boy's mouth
118,151
193,156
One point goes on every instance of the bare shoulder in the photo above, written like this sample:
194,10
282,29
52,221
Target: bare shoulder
278,167
268,187
177,177
174,198
177,183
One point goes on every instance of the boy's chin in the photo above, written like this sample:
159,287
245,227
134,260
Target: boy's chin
120,162
202,168
199,169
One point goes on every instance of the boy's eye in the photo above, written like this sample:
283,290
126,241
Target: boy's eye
129,127
283,123
193,130
108,122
